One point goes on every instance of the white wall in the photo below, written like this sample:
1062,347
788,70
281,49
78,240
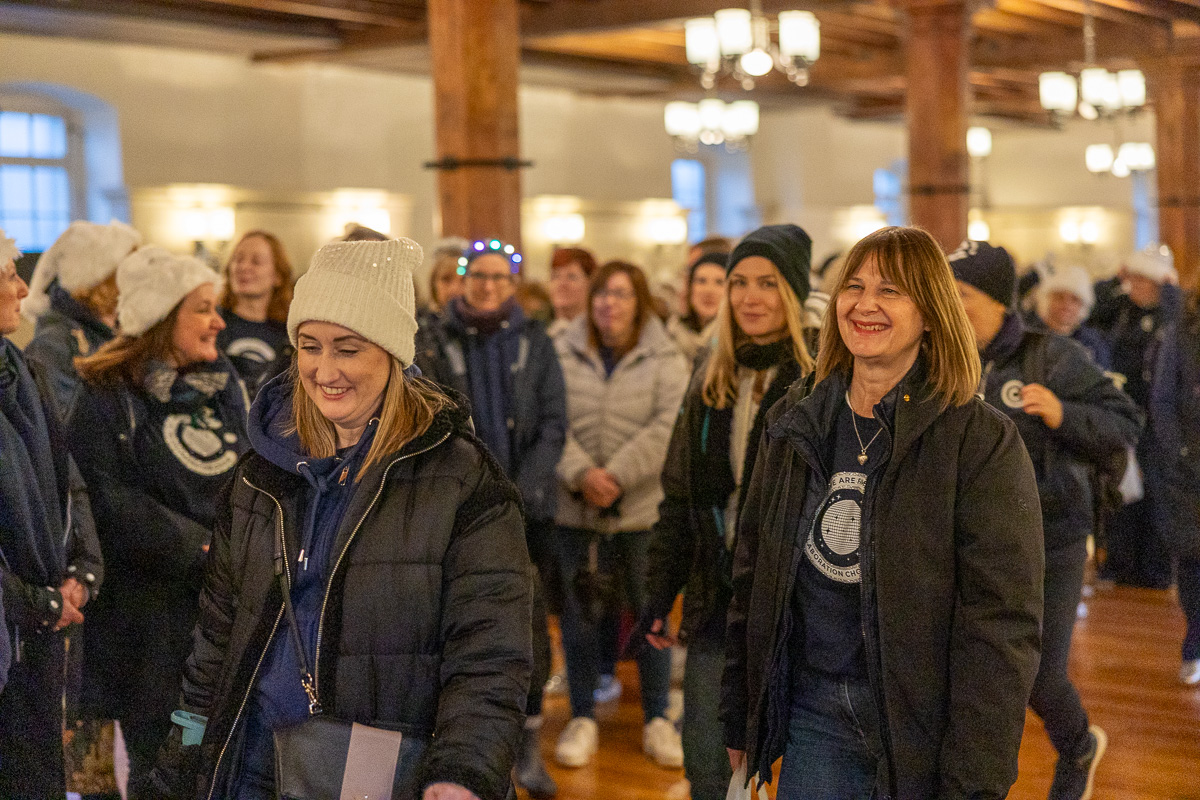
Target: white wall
194,117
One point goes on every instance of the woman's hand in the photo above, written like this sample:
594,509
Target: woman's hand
659,637
599,487
736,758
447,791
1041,402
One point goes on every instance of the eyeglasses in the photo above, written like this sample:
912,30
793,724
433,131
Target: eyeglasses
614,294
483,277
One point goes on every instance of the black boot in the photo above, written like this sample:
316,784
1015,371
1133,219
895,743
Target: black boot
531,770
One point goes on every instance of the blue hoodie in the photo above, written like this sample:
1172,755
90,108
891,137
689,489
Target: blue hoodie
279,700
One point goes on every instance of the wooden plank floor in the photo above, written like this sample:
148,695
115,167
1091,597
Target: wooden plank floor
1124,662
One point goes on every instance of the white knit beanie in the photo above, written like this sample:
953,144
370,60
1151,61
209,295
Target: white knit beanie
8,249
1154,262
1073,279
152,281
82,257
366,287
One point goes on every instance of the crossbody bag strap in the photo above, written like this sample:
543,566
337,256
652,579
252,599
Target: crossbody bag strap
306,676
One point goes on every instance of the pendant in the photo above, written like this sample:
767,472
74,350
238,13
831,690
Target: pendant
862,459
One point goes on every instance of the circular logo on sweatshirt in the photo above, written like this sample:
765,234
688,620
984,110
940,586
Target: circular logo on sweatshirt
1010,394
251,349
833,541
203,449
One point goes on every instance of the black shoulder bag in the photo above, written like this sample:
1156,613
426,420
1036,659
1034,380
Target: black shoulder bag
324,758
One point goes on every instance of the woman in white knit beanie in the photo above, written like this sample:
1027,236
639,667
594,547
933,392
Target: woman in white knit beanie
73,297
370,505
159,423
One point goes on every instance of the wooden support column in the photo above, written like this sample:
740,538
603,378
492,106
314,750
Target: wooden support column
476,49
936,55
1175,90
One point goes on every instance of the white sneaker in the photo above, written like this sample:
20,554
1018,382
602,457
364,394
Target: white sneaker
577,743
1189,673
661,743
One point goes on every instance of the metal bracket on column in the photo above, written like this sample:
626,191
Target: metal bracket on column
929,190
451,163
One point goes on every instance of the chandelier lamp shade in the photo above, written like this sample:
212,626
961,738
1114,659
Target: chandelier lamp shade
738,42
712,122
1129,157
1097,92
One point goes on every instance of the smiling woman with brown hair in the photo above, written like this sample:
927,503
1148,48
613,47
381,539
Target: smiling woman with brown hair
159,424
892,652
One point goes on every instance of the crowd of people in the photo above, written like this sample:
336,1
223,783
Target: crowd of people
294,527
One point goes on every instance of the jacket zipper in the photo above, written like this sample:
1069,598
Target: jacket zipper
324,602
250,687
345,548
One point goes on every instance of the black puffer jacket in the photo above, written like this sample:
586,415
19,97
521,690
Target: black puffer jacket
426,627
1099,420
688,552
952,568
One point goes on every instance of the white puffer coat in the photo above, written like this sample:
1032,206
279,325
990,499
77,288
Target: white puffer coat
620,422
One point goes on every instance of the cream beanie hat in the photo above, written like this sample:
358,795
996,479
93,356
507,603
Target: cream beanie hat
82,257
366,287
152,281
1154,262
1073,279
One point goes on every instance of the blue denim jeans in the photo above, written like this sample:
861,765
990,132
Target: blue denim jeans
705,761
834,743
626,556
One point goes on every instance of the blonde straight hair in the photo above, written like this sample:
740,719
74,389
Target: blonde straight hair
911,259
409,406
720,379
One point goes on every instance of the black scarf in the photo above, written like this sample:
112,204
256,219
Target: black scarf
759,357
32,520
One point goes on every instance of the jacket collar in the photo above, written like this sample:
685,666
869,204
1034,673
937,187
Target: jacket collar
274,479
907,411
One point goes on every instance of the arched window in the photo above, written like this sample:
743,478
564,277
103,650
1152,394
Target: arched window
60,160
41,174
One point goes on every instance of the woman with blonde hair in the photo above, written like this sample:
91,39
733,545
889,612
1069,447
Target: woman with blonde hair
368,580
883,633
759,354
254,306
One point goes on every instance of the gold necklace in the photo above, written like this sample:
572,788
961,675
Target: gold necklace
862,456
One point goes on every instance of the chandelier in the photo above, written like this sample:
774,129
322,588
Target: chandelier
1097,92
737,42
1129,157
711,122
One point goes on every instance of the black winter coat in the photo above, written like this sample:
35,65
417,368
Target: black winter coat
952,563
426,627
1099,420
1175,415
688,551
154,470
537,407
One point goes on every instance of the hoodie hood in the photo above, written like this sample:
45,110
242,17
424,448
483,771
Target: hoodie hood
270,416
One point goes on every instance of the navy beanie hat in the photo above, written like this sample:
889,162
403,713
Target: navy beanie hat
788,247
989,269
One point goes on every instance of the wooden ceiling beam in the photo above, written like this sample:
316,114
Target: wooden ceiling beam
380,14
572,16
